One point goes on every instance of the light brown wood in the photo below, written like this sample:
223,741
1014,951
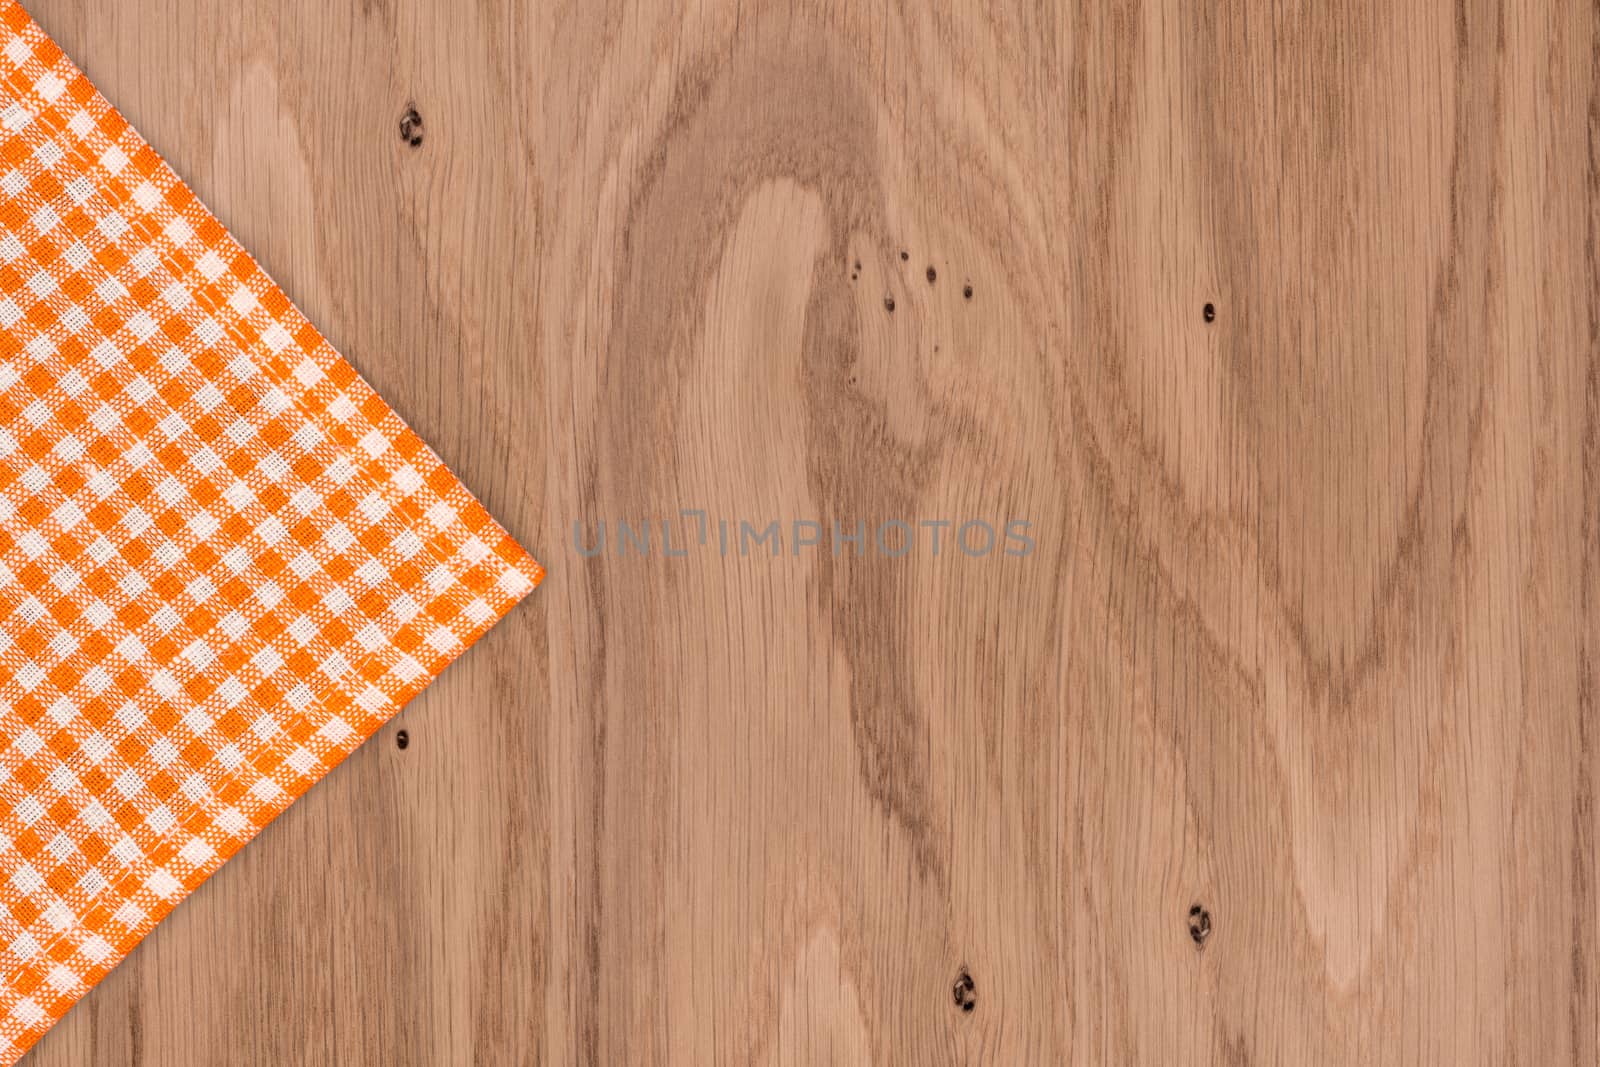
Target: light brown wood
1310,638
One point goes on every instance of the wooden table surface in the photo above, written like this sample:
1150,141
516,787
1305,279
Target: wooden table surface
1279,747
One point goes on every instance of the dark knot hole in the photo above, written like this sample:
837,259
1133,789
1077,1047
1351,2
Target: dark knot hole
965,991
411,126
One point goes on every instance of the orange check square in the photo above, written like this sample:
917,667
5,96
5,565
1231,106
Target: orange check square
224,561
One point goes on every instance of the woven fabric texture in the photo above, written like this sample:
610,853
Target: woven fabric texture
224,561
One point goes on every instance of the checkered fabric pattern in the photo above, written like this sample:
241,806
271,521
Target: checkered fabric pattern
224,561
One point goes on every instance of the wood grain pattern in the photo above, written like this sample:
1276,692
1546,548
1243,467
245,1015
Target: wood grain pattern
1310,640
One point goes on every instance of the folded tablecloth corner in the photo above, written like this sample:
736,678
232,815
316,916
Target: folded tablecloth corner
224,560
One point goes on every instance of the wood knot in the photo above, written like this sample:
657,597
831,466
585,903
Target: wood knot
1209,313
888,304
411,127
966,291
1199,925
402,740
965,992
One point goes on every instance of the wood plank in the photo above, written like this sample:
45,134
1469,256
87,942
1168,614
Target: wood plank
1309,637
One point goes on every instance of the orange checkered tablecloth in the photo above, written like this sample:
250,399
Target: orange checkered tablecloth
224,561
